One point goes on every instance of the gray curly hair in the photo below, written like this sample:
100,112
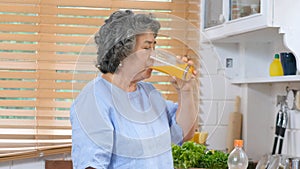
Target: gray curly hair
116,38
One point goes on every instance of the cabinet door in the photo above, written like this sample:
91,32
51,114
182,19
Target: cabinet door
213,13
224,18
217,12
243,8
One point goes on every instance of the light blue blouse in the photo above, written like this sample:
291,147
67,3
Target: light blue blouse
123,130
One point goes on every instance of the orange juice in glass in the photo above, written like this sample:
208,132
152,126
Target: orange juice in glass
166,62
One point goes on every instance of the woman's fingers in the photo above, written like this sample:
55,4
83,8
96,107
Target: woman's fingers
188,60
185,59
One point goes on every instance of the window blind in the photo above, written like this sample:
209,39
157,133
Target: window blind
47,55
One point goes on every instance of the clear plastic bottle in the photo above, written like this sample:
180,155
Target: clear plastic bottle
238,159
276,67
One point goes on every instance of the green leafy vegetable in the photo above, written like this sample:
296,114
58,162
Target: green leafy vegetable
193,155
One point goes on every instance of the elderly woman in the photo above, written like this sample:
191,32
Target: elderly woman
119,121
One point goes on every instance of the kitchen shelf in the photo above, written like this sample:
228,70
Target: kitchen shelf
266,34
276,79
249,43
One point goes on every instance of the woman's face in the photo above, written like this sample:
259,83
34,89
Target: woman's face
139,62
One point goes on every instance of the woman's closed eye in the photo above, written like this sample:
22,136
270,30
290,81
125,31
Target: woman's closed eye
149,48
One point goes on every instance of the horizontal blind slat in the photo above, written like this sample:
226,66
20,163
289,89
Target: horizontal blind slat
120,4
32,132
18,8
19,18
62,149
45,75
33,103
12,65
5,74
19,28
41,113
35,94
18,2
18,56
17,103
69,40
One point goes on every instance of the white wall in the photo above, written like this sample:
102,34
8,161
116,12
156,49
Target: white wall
258,107
217,97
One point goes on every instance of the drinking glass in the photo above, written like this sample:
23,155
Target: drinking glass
166,62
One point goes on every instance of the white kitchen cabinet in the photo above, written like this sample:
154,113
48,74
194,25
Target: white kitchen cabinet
224,18
246,45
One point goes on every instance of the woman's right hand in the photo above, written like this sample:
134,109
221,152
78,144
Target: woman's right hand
185,85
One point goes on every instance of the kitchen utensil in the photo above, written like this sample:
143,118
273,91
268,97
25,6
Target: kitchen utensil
290,98
234,125
280,127
274,162
268,161
263,162
297,100
277,129
281,123
292,163
283,127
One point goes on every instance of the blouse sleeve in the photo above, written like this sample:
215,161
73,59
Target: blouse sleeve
175,129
